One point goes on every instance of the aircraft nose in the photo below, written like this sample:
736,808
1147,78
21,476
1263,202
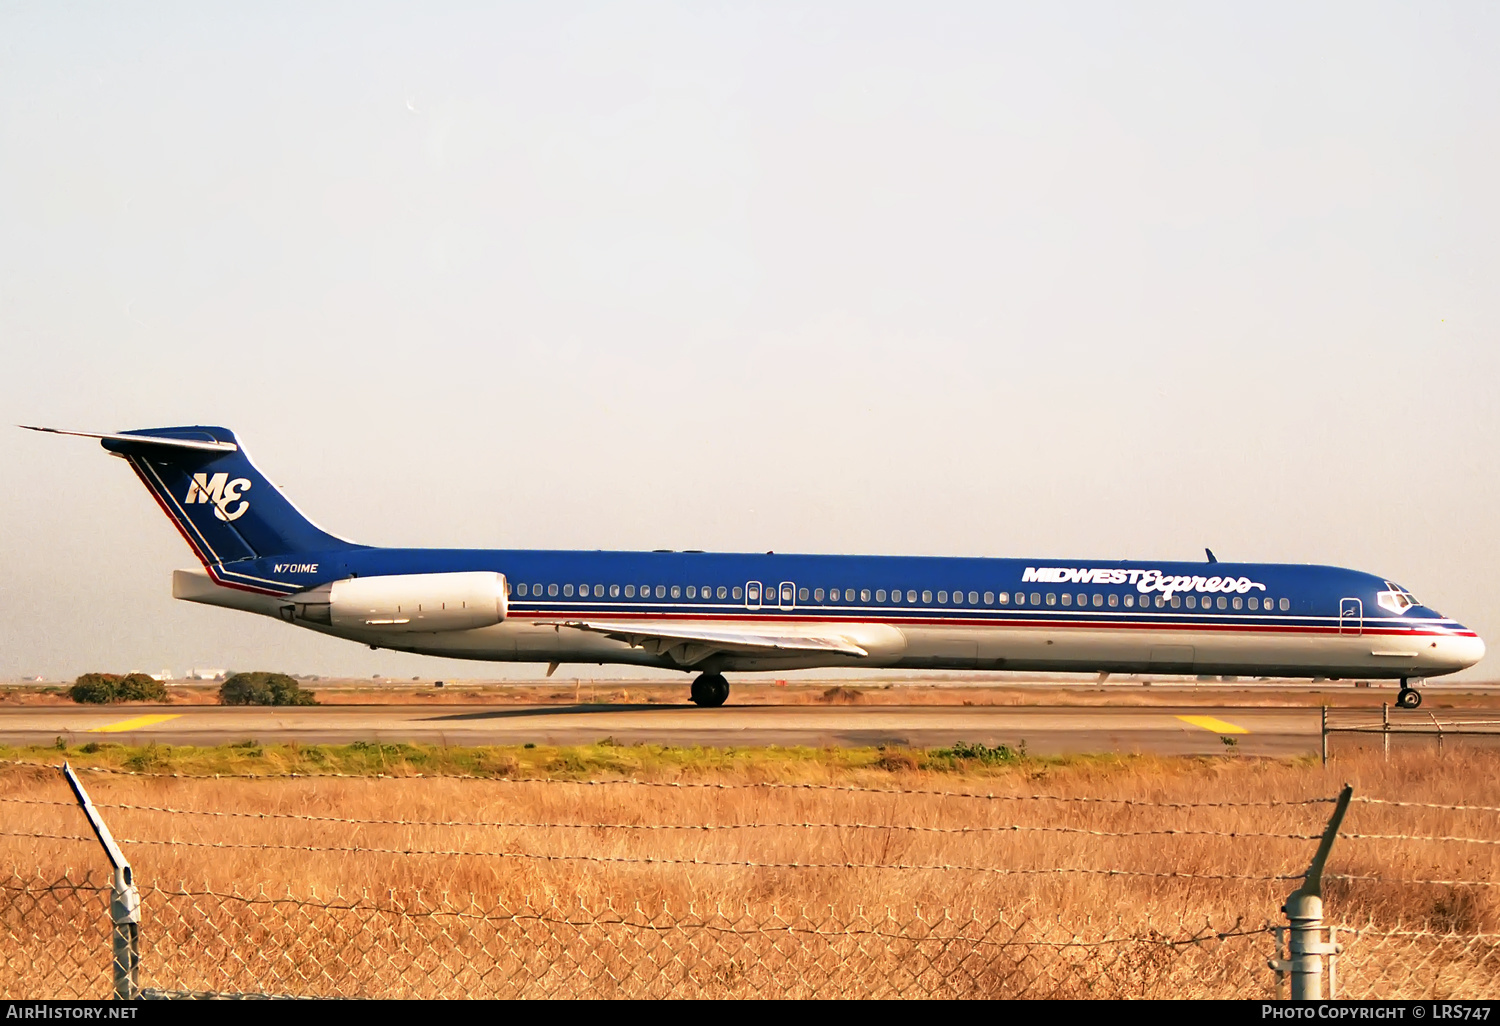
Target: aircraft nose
1463,651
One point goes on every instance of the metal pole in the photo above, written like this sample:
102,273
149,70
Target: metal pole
1304,911
124,901
1324,731
1385,728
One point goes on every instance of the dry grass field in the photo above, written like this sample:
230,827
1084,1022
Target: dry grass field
327,836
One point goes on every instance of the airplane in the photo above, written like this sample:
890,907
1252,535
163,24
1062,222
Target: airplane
715,613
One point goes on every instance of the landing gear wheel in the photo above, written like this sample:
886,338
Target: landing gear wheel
1408,698
710,690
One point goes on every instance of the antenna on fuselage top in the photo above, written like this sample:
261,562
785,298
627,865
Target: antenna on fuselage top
1211,557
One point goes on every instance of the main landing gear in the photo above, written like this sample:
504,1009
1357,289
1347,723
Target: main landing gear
710,689
1407,697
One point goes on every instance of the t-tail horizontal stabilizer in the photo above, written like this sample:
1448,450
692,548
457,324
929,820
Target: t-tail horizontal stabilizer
205,483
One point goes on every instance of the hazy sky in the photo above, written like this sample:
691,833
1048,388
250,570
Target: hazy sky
1056,279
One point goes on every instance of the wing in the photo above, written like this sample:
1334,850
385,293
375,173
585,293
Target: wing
689,645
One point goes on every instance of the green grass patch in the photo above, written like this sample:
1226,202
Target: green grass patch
605,759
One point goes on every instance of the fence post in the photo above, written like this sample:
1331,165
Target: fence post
1385,728
1324,732
1304,912
124,900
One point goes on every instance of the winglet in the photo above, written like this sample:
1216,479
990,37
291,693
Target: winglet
1211,557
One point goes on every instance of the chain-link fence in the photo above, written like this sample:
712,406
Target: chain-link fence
524,940
202,943
1391,963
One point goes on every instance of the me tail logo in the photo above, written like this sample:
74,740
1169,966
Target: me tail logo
221,492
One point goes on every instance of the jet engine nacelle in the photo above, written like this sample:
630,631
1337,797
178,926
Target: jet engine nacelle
407,602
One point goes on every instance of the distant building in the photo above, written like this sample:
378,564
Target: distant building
199,673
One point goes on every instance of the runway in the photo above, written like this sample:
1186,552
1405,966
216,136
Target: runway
1045,730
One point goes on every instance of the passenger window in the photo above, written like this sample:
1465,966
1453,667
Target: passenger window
520,589
1051,598
864,594
1114,600
926,596
552,590
1223,602
1098,601
911,596
1036,598
942,598
973,598
1254,602
630,591
536,591
1286,604
1004,598
737,593
614,591
1067,599
817,594
1237,602
1176,601
568,590
676,591
692,592
989,598
598,591
1020,597
1160,602
801,594
1192,603
879,594
661,591
721,592
1129,601
1083,600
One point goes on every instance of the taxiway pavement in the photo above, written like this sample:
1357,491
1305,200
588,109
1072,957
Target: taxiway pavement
1045,730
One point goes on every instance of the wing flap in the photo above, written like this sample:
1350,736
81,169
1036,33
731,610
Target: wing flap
689,645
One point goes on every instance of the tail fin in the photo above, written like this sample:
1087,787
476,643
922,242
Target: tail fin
223,505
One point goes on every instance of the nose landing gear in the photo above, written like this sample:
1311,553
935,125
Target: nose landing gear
709,690
1407,697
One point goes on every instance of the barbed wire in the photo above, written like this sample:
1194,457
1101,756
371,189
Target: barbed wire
896,827
1427,805
709,827
1407,880
532,825
658,860
703,785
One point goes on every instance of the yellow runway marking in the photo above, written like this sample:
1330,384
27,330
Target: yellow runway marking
135,724
1217,726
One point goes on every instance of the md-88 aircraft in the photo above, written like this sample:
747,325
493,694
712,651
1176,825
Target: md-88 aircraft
715,613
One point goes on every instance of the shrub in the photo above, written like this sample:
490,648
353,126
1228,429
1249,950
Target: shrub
137,687
966,750
260,688
103,688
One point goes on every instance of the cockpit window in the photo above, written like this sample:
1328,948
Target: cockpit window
1396,598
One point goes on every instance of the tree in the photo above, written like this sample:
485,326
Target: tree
104,688
262,688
